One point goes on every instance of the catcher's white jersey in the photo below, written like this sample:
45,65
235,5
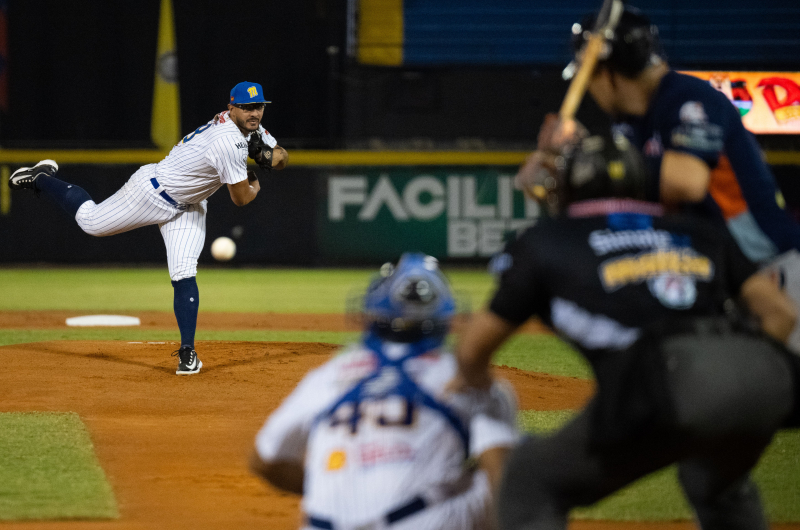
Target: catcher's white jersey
172,194
365,458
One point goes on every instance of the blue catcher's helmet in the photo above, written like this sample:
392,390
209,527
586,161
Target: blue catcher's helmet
410,301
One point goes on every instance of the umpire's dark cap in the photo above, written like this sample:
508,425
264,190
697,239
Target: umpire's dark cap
246,92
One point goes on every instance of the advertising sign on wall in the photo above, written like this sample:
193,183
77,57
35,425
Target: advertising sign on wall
768,102
378,214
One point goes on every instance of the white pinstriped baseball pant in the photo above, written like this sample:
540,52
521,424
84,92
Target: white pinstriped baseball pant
468,510
138,204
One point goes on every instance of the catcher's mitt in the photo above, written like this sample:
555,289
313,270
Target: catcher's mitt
259,151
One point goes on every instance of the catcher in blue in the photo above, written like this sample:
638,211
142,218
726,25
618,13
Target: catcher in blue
374,439
173,195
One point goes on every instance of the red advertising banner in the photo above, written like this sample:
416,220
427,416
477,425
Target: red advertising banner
768,102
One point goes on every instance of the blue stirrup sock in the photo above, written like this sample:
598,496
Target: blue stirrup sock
185,304
68,196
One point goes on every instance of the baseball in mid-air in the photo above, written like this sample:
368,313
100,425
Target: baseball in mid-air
223,249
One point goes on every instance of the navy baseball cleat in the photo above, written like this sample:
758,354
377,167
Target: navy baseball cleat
188,363
25,177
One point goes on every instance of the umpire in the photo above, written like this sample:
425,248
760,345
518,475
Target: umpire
648,299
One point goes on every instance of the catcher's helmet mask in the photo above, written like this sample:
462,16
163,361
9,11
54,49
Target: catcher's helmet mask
409,301
633,46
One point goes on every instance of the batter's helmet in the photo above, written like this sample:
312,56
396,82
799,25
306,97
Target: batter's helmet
598,167
632,47
410,301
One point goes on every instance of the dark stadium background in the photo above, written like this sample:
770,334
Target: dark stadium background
81,75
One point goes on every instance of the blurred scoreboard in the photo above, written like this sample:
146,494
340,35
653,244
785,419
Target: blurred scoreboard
768,102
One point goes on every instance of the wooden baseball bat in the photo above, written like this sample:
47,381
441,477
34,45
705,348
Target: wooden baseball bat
607,21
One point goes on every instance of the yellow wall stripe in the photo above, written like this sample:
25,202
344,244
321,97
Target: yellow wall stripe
316,158
783,158
5,191
78,156
380,32
296,158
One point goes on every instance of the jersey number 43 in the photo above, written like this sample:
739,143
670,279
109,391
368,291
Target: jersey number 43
392,411
195,133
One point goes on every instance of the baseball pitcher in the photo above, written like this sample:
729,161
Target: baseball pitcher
173,195
372,439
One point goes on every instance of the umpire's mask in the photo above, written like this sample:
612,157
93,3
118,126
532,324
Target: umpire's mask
606,167
597,167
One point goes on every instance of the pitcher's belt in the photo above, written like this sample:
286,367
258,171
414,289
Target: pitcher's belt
163,193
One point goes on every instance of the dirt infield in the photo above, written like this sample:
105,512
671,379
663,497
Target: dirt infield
208,321
175,449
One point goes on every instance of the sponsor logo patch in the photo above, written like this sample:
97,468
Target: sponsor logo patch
693,112
606,241
674,291
626,270
698,136
336,460
653,147
374,453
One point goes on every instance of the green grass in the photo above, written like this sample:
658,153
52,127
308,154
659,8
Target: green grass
221,290
778,475
538,353
48,469
543,353
658,496
22,336
239,290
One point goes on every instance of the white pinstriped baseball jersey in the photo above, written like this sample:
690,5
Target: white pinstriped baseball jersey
356,478
204,160
212,155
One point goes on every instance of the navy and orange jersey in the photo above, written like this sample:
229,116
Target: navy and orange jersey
688,115
611,268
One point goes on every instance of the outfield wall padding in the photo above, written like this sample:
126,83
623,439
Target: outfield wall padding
307,216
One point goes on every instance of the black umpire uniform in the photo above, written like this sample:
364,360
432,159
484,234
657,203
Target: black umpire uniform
647,299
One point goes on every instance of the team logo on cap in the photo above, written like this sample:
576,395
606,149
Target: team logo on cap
252,91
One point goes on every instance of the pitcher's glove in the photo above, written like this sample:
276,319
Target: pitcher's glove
260,152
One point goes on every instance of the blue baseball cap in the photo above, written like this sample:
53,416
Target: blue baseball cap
245,93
